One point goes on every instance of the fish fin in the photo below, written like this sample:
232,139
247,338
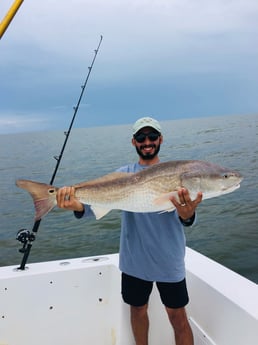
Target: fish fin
168,210
164,198
99,212
109,177
43,195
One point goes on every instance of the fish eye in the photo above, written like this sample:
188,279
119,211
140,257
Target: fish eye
227,175
51,191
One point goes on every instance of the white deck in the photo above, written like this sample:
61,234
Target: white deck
78,302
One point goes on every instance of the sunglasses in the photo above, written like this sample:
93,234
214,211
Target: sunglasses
152,136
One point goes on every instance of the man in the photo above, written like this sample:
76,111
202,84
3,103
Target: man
152,245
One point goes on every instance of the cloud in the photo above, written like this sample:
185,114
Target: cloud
21,123
150,47
124,23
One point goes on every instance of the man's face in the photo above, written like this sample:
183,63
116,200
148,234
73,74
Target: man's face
147,143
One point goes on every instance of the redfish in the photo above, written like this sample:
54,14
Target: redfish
148,190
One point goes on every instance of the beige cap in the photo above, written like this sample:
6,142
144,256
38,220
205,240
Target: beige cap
146,122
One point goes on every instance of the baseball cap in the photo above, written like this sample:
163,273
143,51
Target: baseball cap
146,122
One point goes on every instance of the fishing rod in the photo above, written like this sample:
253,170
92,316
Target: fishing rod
25,236
9,16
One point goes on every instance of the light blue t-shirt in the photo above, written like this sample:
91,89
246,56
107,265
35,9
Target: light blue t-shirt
152,245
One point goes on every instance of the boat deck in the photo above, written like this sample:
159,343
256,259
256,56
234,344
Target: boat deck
78,302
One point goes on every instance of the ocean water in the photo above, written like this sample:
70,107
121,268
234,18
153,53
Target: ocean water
227,228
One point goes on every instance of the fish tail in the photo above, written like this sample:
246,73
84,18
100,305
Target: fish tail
43,195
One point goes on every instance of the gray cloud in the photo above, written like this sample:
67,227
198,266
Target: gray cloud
173,44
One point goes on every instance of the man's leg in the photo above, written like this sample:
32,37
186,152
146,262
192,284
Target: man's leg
182,329
140,324
136,292
175,297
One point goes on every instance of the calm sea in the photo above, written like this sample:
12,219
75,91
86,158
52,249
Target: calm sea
227,229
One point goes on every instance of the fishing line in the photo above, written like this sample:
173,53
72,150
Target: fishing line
25,236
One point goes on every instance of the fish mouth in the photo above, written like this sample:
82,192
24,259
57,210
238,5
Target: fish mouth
235,183
232,188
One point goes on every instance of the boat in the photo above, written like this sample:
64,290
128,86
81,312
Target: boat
78,301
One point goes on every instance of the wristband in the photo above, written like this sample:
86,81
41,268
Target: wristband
187,222
79,214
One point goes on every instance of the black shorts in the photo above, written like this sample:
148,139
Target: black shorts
136,292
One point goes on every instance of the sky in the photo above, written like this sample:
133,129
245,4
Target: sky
169,59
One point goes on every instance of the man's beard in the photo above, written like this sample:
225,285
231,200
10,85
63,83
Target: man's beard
148,156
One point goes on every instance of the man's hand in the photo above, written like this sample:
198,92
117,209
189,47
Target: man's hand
66,199
185,206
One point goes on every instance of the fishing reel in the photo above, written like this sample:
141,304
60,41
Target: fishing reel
24,236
